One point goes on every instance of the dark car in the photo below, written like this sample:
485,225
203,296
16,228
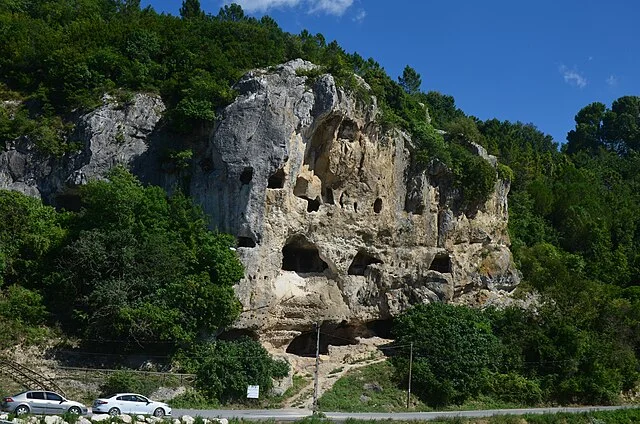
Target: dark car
41,402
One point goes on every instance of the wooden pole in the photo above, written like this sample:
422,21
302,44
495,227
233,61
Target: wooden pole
315,383
410,364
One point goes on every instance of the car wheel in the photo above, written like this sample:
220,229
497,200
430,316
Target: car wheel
75,410
159,412
114,411
22,410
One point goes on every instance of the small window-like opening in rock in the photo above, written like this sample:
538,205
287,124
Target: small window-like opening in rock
247,175
377,205
327,196
277,179
355,206
246,242
441,263
313,205
330,334
414,208
302,256
360,263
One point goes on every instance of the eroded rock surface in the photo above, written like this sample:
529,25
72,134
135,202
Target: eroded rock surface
335,222
114,134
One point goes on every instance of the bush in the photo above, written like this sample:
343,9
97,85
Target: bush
505,173
227,368
514,388
23,305
118,382
473,175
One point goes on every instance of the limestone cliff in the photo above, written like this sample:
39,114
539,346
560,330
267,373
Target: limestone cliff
334,220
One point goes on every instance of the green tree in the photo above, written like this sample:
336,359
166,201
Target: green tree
587,136
454,348
191,9
143,266
410,80
227,368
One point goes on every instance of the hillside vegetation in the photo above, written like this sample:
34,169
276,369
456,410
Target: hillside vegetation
137,268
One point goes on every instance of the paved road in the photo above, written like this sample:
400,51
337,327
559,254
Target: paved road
296,414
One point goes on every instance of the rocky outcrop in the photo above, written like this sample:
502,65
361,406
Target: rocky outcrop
334,220
113,134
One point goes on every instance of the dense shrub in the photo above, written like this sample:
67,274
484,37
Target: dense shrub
454,348
225,369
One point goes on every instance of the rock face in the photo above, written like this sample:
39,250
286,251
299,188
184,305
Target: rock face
114,134
335,222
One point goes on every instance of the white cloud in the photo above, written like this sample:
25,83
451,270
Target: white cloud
612,80
359,17
331,7
573,77
263,5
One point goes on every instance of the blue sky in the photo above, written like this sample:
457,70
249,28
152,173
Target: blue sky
537,62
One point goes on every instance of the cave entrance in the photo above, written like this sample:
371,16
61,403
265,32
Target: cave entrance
246,242
330,334
277,179
313,205
302,256
441,263
247,175
237,334
360,263
380,328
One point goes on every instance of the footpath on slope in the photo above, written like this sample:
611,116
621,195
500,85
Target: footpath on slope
339,361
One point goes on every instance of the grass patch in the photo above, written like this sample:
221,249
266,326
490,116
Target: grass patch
372,388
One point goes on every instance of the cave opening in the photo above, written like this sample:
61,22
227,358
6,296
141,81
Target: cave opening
441,263
327,196
313,205
360,263
380,328
237,334
377,205
277,179
330,335
302,256
247,175
246,242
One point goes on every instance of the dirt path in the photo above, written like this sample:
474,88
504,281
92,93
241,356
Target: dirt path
339,361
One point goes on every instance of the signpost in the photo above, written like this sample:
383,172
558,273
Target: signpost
253,392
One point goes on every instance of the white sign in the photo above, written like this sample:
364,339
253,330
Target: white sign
253,392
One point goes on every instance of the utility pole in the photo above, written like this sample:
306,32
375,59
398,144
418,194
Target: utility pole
410,364
315,383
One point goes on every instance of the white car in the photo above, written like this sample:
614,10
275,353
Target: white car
130,403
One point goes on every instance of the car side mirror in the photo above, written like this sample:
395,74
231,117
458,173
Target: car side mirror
62,401
148,402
